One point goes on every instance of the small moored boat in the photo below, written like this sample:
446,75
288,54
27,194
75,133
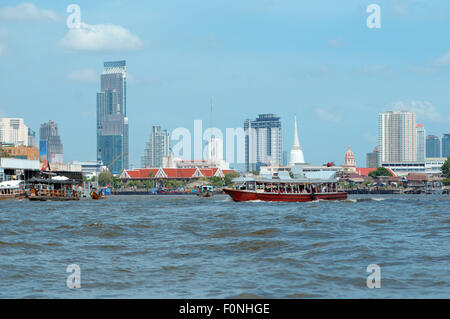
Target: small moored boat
12,190
206,191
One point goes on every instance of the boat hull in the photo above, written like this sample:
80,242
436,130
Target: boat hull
12,196
244,196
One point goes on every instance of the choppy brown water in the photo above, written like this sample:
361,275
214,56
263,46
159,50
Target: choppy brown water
189,247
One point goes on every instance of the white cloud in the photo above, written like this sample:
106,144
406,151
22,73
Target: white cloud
83,75
336,42
327,116
424,110
27,12
374,70
101,38
443,60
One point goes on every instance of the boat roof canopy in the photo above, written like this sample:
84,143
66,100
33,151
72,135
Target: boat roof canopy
35,180
267,180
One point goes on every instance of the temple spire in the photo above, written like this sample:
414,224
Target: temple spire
296,144
296,151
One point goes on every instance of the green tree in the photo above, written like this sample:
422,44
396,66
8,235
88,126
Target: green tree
105,178
291,174
381,171
255,173
216,181
229,176
446,168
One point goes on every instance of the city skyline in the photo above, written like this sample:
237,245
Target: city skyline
282,70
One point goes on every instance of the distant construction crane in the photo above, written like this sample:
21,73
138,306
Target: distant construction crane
115,160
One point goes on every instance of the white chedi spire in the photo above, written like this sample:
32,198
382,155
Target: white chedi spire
296,151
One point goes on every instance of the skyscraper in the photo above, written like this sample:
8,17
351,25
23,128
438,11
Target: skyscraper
263,142
446,145
156,148
112,121
433,146
13,131
421,143
397,138
372,159
50,146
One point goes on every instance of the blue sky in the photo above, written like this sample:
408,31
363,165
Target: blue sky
314,58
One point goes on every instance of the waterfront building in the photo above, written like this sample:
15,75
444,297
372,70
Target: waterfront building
431,166
89,169
22,152
397,141
297,157
19,169
112,121
263,142
433,146
372,159
184,174
157,147
446,145
349,165
13,131
50,146
421,143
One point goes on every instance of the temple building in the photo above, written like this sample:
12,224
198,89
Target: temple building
349,165
297,157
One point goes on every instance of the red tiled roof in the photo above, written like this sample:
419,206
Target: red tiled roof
208,172
364,171
417,177
179,172
141,173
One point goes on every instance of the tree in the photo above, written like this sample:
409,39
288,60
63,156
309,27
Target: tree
255,173
229,176
105,178
291,174
381,171
446,168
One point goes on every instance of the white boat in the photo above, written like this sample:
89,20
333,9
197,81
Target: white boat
12,190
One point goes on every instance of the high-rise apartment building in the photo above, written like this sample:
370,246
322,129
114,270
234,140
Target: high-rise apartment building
397,137
13,131
112,121
446,145
263,142
156,148
421,143
433,146
372,159
50,146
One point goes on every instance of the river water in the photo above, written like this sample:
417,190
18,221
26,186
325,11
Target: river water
190,247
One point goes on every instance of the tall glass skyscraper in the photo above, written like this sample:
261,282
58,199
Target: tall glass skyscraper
263,142
112,121
433,146
50,146
446,145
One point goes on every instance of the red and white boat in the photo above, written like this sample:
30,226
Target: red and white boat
284,190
